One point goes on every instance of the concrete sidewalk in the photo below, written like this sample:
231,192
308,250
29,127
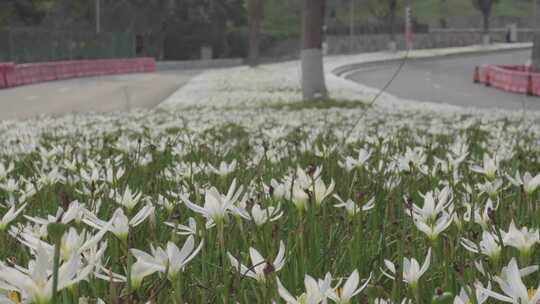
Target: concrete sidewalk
96,94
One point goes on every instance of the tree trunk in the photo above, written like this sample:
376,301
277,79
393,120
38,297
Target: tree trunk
486,14
255,15
486,39
444,14
313,82
392,12
392,7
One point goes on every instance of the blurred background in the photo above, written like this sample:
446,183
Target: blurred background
45,30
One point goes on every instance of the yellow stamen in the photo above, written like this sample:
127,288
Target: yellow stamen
531,292
14,296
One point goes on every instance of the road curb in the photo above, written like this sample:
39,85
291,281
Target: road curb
345,69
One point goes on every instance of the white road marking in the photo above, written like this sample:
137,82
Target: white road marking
33,97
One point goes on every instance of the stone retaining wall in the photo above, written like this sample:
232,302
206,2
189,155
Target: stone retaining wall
371,43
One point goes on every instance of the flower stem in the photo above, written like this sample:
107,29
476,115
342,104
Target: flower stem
56,266
178,291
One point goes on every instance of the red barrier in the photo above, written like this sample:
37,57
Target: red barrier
9,75
3,80
27,73
30,73
535,84
481,74
48,71
509,80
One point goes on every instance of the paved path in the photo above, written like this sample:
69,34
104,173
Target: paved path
97,94
447,80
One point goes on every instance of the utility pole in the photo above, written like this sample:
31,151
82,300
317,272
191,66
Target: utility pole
408,25
98,16
535,14
351,25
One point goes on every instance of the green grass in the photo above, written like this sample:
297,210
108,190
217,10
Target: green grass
158,151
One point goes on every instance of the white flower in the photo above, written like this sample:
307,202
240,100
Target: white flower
171,260
513,288
522,239
491,188
430,211
4,171
480,217
351,163
311,296
529,183
216,206
489,168
190,229
481,296
224,169
262,216
10,216
351,207
321,191
349,290
35,283
119,224
260,266
488,246
128,199
433,229
412,272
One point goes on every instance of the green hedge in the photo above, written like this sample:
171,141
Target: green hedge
39,46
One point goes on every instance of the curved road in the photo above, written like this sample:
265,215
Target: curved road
448,80
96,94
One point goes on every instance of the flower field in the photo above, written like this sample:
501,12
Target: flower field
313,203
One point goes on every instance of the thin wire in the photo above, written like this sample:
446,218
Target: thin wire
381,91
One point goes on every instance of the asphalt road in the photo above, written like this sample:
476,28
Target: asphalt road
447,80
96,94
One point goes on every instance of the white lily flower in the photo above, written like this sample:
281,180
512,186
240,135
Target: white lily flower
224,169
514,290
172,260
262,216
119,223
488,246
321,191
430,211
412,272
529,183
128,199
351,163
5,171
312,295
522,239
481,296
433,229
216,206
491,188
489,168
352,208
349,290
35,283
189,229
10,216
260,266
